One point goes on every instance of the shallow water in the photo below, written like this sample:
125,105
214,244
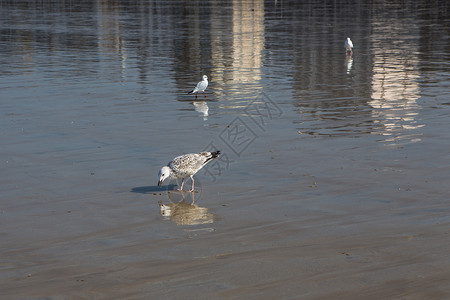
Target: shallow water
333,177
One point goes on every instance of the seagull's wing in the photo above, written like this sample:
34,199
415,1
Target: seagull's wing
187,164
202,85
191,163
197,88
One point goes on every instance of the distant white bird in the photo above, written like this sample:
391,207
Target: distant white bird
186,166
201,87
348,46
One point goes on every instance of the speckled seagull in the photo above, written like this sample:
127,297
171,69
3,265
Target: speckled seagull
201,87
186,166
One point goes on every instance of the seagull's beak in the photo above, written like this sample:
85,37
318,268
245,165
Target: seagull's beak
160,183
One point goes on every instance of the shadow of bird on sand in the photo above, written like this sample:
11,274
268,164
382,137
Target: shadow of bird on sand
152,189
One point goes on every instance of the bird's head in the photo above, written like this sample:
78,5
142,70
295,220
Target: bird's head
205,77
163,174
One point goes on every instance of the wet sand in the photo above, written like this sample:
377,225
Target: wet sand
339,193
365,224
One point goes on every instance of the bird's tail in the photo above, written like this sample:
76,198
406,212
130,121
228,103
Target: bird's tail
191,92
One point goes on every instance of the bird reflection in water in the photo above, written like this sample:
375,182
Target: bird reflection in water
348,63
184,213
201,107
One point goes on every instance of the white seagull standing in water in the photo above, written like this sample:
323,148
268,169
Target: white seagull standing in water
348,46
201,87
186,166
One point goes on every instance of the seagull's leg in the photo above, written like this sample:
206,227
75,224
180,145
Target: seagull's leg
196,96
192,188
182,182
204,94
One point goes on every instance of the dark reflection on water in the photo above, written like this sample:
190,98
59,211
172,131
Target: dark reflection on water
292,50
374,92
245,46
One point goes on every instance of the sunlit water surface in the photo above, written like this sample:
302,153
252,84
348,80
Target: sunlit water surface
317,146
